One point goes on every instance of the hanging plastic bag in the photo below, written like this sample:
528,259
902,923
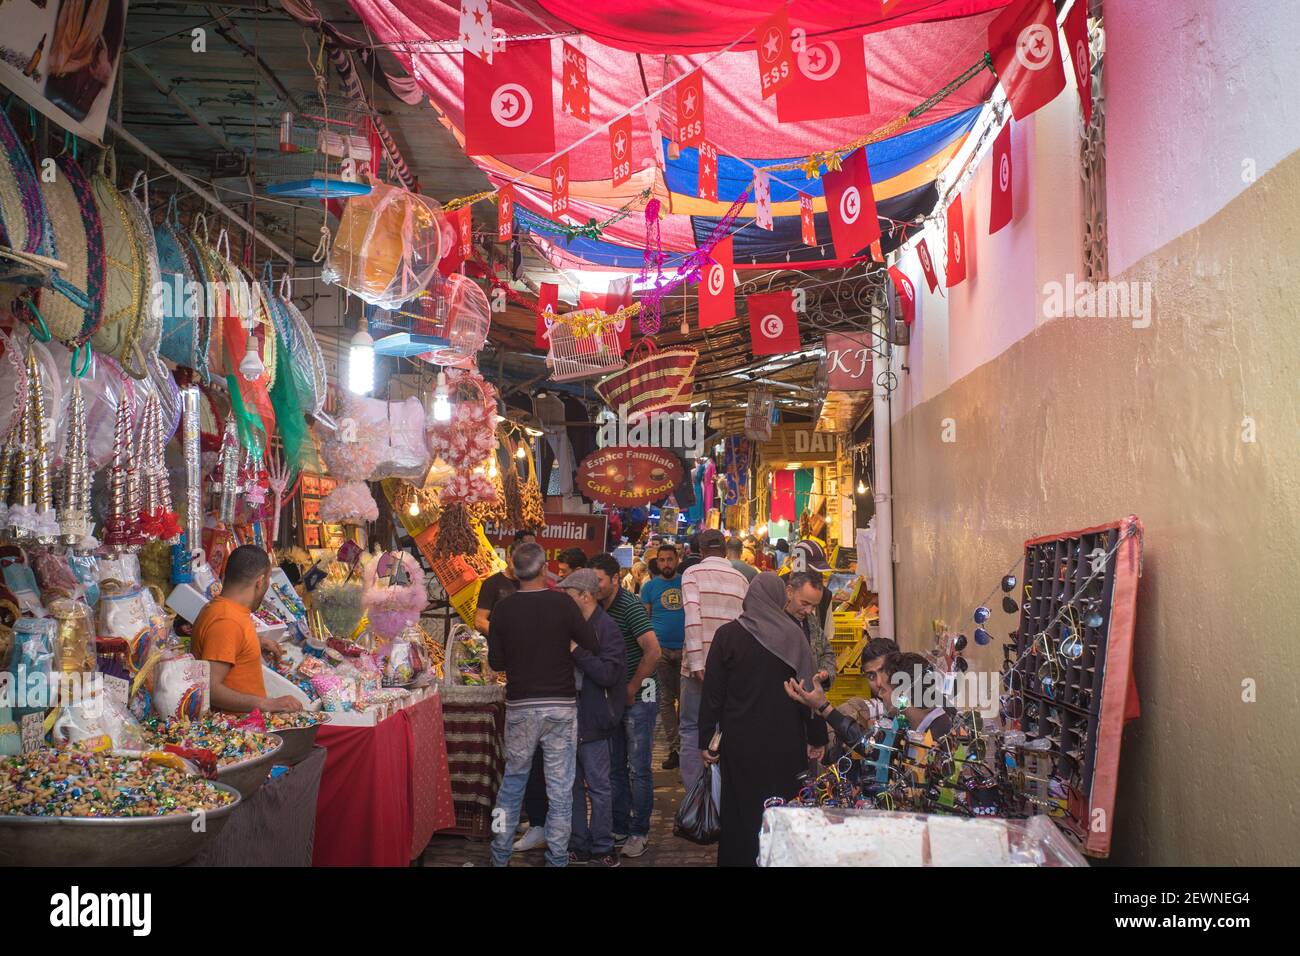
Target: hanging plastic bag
698,819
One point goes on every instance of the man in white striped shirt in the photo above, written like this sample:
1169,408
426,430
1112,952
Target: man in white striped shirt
712,594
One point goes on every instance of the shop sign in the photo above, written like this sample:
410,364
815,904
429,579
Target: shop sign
625,476
848,362
799,443
584,532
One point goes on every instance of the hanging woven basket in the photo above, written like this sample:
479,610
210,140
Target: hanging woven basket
655,380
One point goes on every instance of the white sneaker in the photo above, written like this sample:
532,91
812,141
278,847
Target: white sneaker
635,846
532,840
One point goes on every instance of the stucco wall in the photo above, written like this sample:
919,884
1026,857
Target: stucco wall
1071,422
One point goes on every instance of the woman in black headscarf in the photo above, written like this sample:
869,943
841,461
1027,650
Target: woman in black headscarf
767,738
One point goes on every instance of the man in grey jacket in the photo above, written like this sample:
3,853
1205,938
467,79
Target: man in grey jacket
600,679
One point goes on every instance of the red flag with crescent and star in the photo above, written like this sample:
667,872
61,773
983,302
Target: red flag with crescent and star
1026,56
829,79
851,206
508,106
718,287
773,324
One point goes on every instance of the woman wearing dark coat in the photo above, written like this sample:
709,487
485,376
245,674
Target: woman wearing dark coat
767,738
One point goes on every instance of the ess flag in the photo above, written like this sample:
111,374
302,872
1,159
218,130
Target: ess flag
851,206
775,66
829,79
620,151
508,104
505,213
1076,41
1000,208
773,325
718,287
1026,55
807,224
575,95
956,244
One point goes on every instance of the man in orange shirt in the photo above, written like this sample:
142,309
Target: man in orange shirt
225,637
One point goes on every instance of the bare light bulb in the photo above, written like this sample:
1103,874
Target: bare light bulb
361,363
492,467
441,400
414,509
520,453
251,367
862,487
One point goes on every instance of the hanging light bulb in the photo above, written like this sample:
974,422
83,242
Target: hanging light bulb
414,509
862,487
492,467
251,367
520,452
361,363
441,400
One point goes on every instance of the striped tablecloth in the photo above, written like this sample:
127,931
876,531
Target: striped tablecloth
475,751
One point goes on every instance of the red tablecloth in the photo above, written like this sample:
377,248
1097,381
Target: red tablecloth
384,789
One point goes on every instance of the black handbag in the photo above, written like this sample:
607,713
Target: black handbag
698,818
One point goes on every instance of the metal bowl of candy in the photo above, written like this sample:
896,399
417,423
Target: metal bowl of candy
248,775
99,810
298,731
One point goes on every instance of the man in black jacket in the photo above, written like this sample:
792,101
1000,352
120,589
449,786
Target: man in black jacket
532,637
600,713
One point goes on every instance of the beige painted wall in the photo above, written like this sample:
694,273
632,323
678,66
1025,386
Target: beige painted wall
1087,420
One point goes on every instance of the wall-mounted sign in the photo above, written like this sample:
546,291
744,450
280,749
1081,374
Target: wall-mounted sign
800,443
629,476
848,361
584,532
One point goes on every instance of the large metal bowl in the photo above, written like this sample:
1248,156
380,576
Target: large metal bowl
297,744
248,776
109,841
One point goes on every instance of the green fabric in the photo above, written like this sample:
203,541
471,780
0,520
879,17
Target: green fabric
299,449
252,433
803,485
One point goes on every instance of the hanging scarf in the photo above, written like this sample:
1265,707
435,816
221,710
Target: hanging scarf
299,450
763,616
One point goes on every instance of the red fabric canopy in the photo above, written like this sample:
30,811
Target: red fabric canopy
698,26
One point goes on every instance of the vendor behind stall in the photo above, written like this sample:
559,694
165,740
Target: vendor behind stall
225,637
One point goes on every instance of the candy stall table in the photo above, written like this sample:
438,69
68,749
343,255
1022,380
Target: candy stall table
386,788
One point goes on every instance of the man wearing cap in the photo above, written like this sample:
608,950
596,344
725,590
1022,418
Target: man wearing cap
712,594
600,679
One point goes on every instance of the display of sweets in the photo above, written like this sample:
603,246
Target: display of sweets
294,720
52,783
231,745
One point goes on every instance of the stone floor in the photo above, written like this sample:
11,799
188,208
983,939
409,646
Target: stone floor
664,849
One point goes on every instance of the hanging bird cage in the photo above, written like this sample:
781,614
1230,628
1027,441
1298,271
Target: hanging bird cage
320,157
446,324
571,357
758,414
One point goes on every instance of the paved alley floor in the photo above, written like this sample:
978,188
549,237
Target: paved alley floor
664,849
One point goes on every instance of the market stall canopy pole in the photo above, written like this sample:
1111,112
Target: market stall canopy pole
195,188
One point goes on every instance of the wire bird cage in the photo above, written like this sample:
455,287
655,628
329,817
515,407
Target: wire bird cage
758,414
572,357
320,157
446,324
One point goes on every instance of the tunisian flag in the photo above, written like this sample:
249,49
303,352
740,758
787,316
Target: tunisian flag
548,296
906,294
1076,41
1026,55
851,206
1000,208
773,324
508,107
718,287
927,265
829,79
956,244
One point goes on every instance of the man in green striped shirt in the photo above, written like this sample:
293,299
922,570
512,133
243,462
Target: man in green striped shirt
631,773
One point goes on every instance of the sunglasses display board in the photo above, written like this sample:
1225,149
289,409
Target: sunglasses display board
1069,675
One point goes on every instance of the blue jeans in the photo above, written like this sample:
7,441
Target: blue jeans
592,780
634,786
556,730
692,765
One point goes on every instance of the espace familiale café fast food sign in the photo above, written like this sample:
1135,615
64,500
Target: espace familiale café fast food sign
629,476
